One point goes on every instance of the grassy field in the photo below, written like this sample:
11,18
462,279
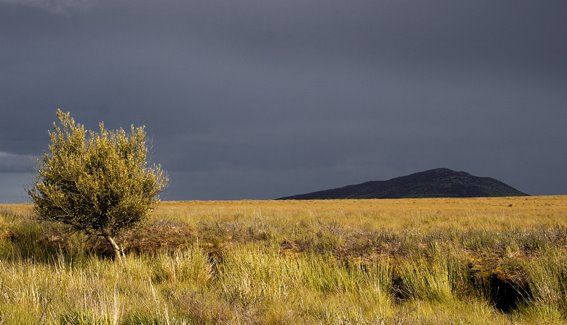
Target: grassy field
414,261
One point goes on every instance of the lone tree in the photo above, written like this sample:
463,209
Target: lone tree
98,183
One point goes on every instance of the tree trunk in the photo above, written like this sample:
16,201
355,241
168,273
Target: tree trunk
117,250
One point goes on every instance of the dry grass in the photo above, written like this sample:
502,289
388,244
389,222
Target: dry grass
426,261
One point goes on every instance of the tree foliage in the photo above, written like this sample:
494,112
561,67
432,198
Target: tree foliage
98,183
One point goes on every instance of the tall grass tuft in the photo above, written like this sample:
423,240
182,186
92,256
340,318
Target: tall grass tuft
547,276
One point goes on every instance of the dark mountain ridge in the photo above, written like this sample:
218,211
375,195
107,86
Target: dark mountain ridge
434,183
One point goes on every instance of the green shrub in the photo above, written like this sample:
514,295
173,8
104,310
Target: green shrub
98,183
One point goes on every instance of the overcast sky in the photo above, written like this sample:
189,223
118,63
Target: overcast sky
263,98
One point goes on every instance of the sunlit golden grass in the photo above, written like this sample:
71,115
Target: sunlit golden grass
411,261
492,213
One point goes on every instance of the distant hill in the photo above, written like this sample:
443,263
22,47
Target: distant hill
440,182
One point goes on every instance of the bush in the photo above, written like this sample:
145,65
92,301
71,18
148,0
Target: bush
98,183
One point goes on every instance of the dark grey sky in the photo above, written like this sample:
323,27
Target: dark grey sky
261,98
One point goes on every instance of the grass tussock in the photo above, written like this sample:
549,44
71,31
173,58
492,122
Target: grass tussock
469,261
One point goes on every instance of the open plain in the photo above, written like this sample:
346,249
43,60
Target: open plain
407,261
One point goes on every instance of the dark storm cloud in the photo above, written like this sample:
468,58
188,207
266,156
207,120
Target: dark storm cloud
10,162
261,99
53,6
